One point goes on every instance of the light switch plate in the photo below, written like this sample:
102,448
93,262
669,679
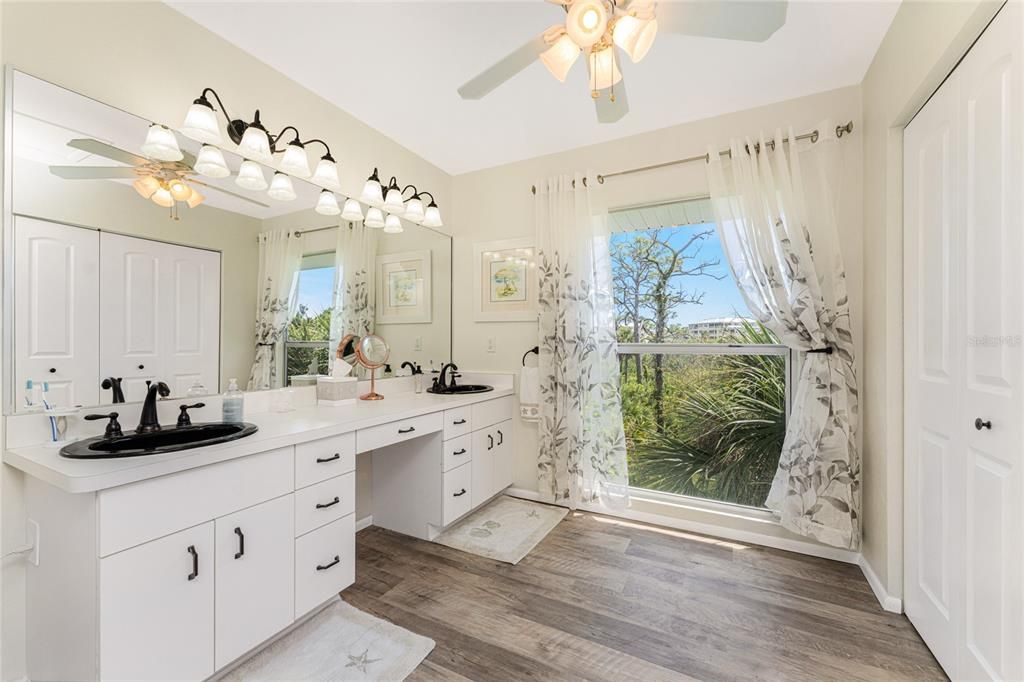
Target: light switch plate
491,345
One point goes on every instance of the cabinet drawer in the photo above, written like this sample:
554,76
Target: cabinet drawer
325,563
491,412
457,422
324,502
319,460
397,431
132,514
457,452
458,494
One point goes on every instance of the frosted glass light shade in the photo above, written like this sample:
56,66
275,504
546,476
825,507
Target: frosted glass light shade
281,188
195,199
352,211
327,204
432,217
393,225
586,22
250,176
201,124
374,218
604,69
326,174
179,190
295,162
163,197
161,144
635,35
255,145
560,57
372,193
146,186
393,202
210,162
414,210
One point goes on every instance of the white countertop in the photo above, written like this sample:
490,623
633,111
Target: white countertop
275,430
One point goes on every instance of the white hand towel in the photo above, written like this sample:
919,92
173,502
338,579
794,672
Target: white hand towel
529,394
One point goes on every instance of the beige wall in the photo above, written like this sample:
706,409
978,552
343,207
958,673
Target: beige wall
496,204
923,45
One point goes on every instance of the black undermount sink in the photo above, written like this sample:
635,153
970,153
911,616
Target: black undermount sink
462,389
168,439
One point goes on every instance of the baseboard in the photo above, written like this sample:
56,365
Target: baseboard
888,602
364,522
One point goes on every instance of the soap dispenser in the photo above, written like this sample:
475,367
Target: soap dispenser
233,403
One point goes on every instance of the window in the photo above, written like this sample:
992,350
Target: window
307,338
704,386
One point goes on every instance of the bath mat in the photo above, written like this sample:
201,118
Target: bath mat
505,529
340,643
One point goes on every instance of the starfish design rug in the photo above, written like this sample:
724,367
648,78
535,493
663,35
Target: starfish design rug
340,643
505,529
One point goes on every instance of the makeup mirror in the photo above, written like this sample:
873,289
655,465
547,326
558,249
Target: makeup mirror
372,353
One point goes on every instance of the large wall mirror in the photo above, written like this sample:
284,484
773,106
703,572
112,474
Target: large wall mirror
108,288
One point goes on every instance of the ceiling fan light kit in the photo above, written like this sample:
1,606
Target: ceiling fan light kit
560,57
586,22
604,71
634,35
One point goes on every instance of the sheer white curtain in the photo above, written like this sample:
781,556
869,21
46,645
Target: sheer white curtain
767,207
582,455
280,254
355,255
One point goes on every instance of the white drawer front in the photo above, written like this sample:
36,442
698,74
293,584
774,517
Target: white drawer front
324,502
397,431
138,512
319,460
491,412
457,452
325,563
458,422
458,494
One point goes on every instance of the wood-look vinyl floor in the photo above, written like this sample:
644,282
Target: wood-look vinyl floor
607,599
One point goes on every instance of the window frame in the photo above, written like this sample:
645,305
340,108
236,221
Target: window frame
310,261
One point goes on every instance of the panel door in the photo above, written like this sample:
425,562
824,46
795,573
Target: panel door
56,310
156,609
189,319
484,448
503,457
255,584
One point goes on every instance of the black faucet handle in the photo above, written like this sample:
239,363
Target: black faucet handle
113,429
183,418
453,376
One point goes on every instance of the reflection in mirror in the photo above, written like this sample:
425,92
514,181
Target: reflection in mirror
114,285
372,352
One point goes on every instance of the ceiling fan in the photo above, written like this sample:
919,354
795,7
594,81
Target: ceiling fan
596,28
163,182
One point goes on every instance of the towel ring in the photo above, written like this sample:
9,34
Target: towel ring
535,349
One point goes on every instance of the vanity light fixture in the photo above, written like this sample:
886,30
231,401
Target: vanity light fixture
393,198
327,204
374,218
295,162
414,209
255,142
353,210
201,121
326,172
432,216
372,193
210,162
250,176
161,144
392,225
281,188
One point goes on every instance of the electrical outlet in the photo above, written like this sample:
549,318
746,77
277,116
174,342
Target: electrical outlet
492,345
33,538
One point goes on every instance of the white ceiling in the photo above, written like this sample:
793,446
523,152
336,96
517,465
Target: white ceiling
396,66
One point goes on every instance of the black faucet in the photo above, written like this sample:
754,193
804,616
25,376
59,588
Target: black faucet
148,422
439,384
413,369
113,384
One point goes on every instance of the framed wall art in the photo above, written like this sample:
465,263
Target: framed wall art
505,279
404,291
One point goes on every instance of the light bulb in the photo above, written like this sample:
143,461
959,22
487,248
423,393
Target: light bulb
281,188
635,35
586,22
255,143
201,123
210,162
250,176
295,162
414,210
327,204
162,197
146,185
560,57
352,211
393,225
326,173
195,199
161,144
604,69
393,201
179,190
432,217
374,218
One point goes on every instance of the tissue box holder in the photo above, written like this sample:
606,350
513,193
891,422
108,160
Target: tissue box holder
336,391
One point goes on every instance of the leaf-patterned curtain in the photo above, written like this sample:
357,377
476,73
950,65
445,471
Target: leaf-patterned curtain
280,259
798,290
355,255
582,455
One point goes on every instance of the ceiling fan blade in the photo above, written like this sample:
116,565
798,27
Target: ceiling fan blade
193,181
609,111
512,64
188,158
752,20
94,172
103,149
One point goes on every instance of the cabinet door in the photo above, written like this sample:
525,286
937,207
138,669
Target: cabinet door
189,320
56,310
156,609
255,576
484,447
503,456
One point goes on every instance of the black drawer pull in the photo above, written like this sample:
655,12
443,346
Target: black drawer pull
460,493
408,430
195,562
329,504
501,437
324,460
459,422
460,451
241,544
490,442
324,567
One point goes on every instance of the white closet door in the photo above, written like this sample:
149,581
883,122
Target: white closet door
190,317
56,310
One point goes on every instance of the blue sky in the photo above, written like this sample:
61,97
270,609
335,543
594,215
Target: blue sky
721,297
315,287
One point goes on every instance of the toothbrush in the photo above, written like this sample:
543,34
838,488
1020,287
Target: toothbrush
53,420
28,393
46,389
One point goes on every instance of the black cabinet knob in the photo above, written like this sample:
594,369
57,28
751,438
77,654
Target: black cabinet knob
53,370
142,367
979,424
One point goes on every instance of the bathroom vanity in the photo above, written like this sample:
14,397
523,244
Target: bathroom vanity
173,566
